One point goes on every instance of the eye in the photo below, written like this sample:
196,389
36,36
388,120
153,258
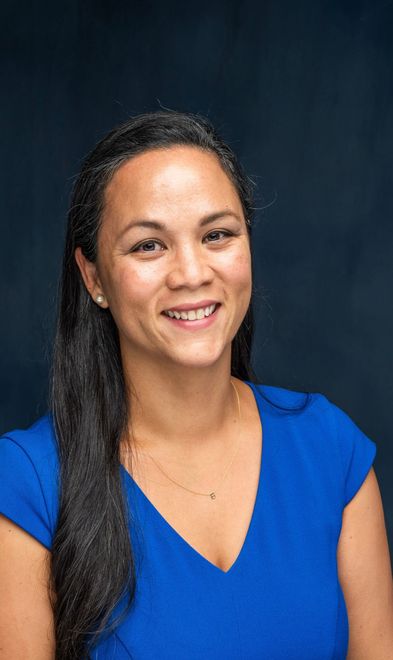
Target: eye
148,244
215,233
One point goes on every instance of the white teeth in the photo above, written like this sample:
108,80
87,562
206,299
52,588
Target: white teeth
192,314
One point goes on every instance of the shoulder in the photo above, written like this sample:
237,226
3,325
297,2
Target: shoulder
313,406
282,400
38,441
34,448
324,432
29,478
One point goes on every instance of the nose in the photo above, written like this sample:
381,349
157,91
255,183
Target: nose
189,268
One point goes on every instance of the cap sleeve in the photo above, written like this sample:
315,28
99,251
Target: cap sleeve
21,493
357,452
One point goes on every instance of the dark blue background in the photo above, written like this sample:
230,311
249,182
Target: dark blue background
303,91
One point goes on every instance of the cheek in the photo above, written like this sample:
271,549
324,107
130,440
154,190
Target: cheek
239,270
134,285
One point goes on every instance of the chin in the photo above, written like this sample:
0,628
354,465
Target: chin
195,359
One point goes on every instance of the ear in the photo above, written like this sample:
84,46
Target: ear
89,273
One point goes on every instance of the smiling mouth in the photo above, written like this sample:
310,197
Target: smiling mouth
191,319
192,314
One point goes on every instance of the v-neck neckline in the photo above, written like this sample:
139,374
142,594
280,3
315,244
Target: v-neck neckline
132,483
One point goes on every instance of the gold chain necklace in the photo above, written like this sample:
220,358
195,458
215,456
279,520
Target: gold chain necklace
212,494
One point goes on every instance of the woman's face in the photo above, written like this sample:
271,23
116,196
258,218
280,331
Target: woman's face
173,234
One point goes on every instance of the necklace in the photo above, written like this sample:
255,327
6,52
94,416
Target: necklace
212,494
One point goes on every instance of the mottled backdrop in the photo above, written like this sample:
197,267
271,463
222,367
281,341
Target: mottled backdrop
303,91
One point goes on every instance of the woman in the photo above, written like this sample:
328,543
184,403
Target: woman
139,519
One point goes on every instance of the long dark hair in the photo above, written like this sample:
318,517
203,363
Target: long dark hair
92,561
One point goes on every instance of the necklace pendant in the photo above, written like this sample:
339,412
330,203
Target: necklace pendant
213,496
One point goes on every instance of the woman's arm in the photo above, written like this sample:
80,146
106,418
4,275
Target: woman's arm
26,619
365,574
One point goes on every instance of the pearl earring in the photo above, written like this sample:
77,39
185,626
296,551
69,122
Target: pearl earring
100,298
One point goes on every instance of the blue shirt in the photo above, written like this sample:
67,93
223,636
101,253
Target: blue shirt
281,599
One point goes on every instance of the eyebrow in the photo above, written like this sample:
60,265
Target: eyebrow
155,224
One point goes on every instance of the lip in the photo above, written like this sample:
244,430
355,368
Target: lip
198,324
187,306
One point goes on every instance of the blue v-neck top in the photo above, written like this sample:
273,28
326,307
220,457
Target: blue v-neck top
281,599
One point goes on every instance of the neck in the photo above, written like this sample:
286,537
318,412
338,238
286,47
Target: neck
186,411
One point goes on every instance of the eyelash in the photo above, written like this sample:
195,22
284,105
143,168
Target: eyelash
136,248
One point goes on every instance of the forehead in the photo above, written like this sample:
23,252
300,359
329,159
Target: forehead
170,177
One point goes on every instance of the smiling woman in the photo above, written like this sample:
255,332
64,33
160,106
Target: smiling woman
195,201
168,505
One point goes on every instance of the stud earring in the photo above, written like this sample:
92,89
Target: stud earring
100,298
